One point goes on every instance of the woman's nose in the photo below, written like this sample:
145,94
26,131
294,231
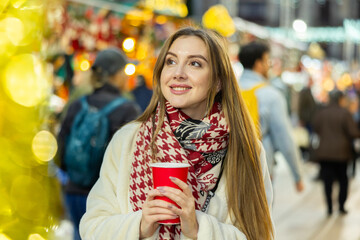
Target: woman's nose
180,72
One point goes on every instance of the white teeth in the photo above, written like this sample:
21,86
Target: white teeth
180,88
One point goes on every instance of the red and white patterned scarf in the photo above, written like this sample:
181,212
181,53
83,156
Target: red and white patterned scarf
201,143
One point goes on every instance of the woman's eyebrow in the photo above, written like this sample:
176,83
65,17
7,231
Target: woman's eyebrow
190,56
198,56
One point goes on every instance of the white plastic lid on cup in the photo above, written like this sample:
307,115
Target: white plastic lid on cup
169,165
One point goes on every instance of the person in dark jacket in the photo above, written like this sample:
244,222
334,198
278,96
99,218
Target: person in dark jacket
108,80
142,93
336,130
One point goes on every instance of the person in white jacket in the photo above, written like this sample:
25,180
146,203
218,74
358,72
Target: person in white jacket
196,116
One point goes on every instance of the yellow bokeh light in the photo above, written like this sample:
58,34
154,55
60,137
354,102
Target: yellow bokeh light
84,65
35,236
13,28
183,11
161,19
142,51
44,146
346,78
130,69
328,85
25,80
218,18
128,44
4,237
17,3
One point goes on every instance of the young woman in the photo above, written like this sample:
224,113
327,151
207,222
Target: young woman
196,116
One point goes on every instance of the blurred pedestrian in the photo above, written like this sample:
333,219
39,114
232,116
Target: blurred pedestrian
142,93
307,105
278,82
108,80
196,116
275,125
336,130
307,108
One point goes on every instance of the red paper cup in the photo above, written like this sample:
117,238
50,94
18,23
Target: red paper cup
161,177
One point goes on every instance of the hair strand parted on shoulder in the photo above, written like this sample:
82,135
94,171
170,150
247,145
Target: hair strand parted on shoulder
246,195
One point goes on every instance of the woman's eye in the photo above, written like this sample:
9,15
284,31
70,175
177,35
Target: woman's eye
169,61
195,64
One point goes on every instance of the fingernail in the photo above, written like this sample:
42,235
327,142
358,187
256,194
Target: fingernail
172,178
170,206
161,189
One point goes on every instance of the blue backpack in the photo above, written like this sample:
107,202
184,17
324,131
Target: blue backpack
85,146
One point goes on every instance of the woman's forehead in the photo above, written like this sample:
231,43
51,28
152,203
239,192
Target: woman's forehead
189,45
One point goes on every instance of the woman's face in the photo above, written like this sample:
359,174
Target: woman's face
185,77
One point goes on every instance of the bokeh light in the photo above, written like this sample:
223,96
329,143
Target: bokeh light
4,237
218,18
25,80
328,84
13,28
130,69
182,10
161,19
128,44
35,236
44,146
299,26
84,65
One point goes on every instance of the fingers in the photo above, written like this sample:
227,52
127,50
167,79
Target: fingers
158,207
180,183
184,199
152,194
154,210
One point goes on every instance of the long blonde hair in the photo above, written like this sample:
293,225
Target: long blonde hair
245,187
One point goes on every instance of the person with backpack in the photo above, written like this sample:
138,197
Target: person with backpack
195,116
88,126
267,106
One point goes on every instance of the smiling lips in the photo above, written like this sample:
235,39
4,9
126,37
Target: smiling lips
179,89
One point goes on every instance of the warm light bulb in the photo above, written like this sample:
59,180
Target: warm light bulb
299,26
130,69
128,44
84,65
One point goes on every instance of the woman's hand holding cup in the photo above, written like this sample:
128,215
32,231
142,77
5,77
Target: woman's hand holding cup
185,208
170,202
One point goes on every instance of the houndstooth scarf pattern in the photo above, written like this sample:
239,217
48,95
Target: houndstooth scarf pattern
201,143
